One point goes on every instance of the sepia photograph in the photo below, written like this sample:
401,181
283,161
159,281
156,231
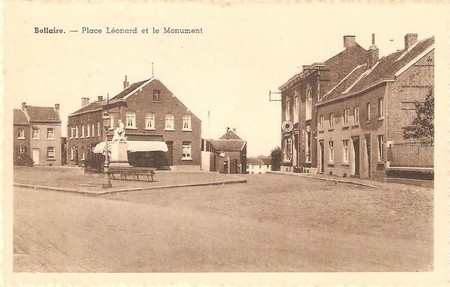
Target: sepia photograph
225,143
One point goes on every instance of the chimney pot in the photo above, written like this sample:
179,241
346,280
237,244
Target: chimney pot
24,105
349,41
410,39
100,98
373,53
84,102
57,107
126,84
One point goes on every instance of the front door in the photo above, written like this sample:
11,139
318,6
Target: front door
355,169
368,147
36,155
169,153
321,159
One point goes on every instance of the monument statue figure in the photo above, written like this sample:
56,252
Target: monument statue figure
119,133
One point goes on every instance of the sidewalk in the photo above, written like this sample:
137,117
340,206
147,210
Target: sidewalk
348,180
75,180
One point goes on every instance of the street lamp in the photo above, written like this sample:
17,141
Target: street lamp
106,119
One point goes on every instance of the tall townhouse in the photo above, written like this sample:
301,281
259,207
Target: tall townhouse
152,116
301,93
361,119
41,138
22,135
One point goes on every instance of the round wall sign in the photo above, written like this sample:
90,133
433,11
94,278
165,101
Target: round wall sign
287,126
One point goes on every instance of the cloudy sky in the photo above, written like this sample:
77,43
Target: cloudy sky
245,50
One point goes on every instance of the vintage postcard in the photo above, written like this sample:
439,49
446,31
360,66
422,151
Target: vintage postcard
225,142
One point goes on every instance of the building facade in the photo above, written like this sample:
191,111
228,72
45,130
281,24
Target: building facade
149,112
301,93
230,153
360,122
38,131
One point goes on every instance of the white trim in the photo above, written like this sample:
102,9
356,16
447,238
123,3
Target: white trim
348,75
413,61
363,75
406,51
138,88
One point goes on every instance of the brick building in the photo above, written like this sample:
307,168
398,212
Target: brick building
151,114
361,119
301,93
230,153
38,134
22,134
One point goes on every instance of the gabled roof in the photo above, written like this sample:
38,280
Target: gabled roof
97,105
254,161
131,89
230,135
20,118
267,160
386,69
228,145
43,114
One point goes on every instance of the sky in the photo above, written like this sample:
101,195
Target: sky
245,50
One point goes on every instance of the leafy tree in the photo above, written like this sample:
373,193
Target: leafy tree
422,126
276,158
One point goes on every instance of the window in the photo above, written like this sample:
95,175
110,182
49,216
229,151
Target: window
21,134
93,130
130,121
296,107
72,132
309,105
346,113
76,132
50,133
150,121
356,115
368,112
83,154
156,95
36,133
331,149
88,131
288,110
82,131
99,128
287,149
321,122
169,122
111,122
331,120
380,108
308,147
345,151
51,152
72,153
187,151
187,123
380,147
22,150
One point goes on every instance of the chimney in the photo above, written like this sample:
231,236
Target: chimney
373,53
24,106
410,39
126,84
57,107
84,102
100,98
349,41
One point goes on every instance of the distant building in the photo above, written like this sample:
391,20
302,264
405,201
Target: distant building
230,153
301,93
361,119
153,118
258,165
38,134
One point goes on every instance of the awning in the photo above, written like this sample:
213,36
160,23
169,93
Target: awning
134,146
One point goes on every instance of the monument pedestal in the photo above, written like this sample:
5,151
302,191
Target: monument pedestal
119,156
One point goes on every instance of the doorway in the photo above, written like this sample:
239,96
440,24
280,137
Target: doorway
36,155
368,149
322,158
356,157
169,153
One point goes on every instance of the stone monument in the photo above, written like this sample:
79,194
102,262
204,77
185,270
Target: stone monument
119,156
